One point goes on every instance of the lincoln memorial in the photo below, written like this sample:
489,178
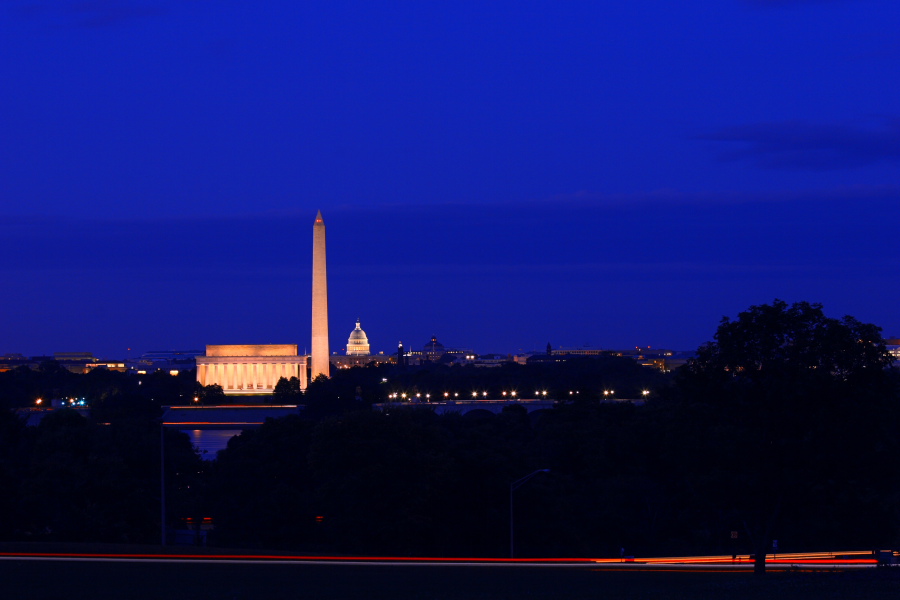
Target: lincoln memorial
250,369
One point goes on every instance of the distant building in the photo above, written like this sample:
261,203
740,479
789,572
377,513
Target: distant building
358,352
106,365
76,362
580,351
11,361
250,369
73,356
893,346
661,359
164,360
341,361
358,343
434,351
483,360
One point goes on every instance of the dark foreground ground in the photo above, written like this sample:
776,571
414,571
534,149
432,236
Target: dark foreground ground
39,580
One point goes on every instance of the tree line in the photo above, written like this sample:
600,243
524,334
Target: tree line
785,427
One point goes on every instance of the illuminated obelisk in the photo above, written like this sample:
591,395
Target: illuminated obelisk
319,361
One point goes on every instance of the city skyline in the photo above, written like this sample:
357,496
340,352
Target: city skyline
500,177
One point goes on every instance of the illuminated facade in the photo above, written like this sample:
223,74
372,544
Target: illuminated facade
319,364
250,369
358,344
256,369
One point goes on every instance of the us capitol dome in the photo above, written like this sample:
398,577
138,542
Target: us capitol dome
358,344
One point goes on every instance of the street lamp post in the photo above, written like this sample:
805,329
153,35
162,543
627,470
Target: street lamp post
162,481
513,487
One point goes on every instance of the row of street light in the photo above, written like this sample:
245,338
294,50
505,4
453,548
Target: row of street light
403,397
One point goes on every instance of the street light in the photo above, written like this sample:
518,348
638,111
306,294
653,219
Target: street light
162,481
513,487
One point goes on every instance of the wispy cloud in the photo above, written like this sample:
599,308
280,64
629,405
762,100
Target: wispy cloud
89,13
810,146
773,3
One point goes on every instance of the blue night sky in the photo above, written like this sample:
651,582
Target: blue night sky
500,176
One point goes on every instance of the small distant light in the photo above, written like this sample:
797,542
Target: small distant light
173,372
39,401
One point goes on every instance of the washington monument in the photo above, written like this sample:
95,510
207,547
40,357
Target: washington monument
319,361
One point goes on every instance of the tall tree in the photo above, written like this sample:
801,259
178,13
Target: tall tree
787,385
287,391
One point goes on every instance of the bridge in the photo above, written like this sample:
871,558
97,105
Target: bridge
463,407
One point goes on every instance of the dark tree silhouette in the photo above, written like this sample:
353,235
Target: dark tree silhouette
786,385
